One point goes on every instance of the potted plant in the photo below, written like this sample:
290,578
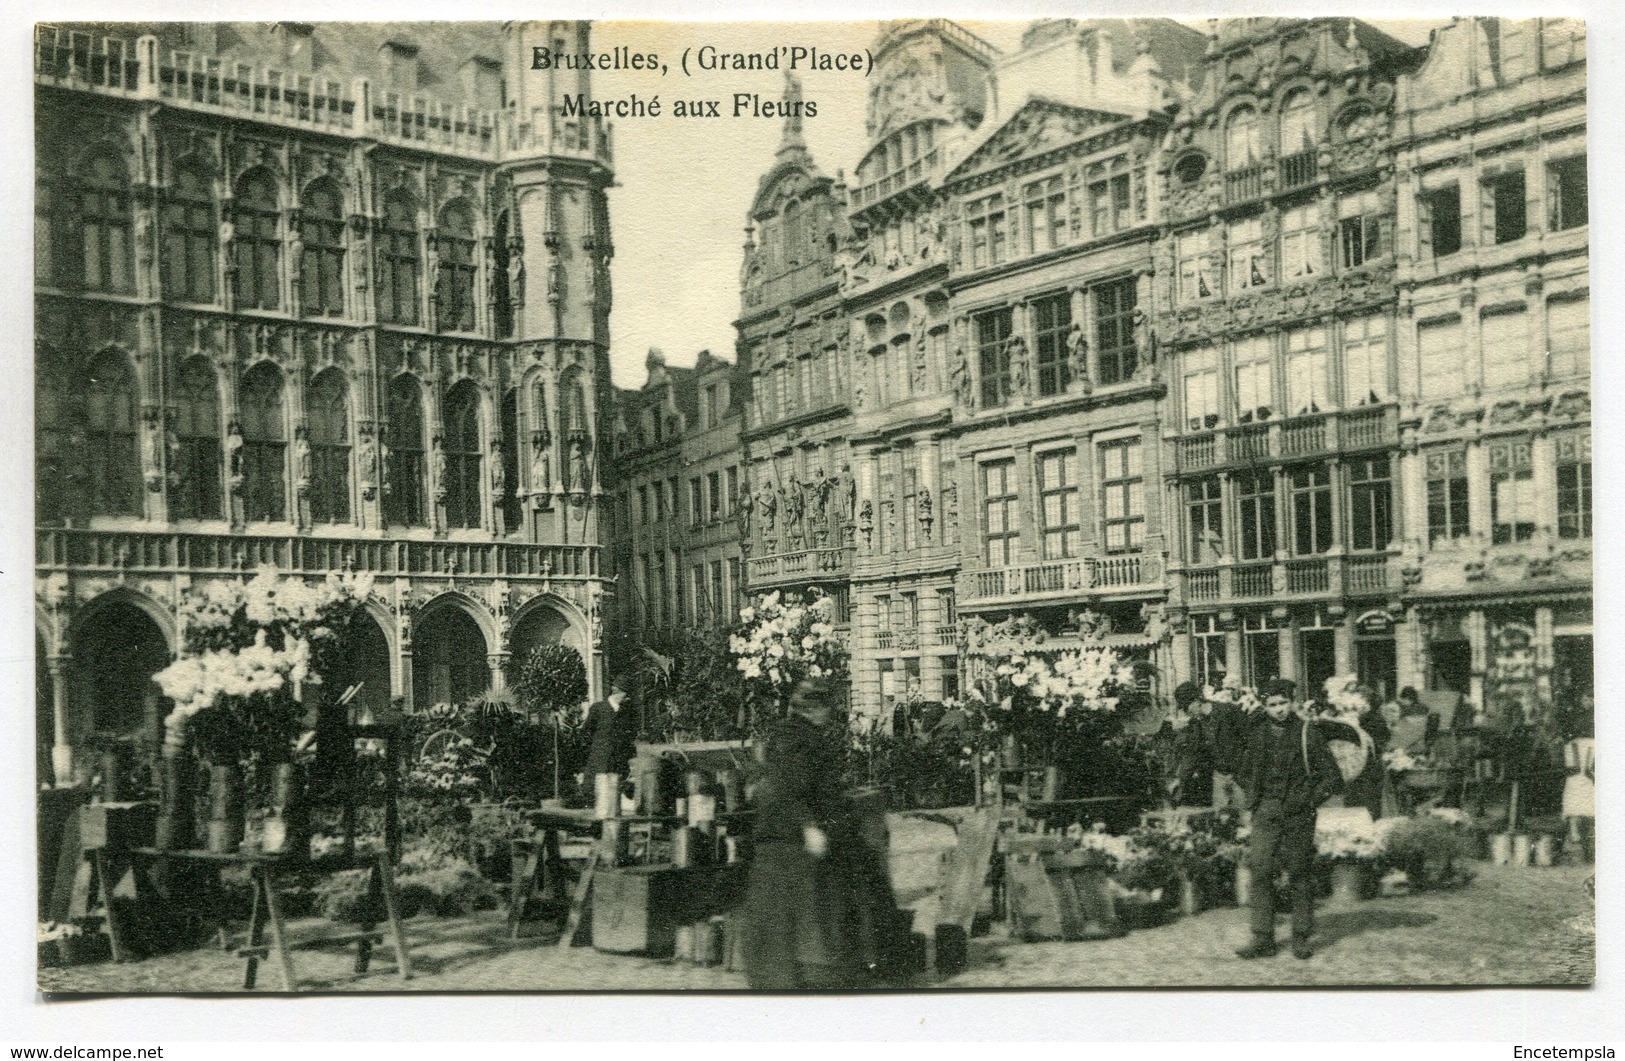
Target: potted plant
1427,848
1346,838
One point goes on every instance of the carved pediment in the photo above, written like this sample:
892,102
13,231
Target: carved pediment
1040,126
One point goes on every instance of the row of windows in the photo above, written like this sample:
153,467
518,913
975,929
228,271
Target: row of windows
701,595
1515,507
1109,198
1362,229
1240,516
1120,484
1503,208
902,611
711,497
253,453
1059,343
83,239
903,502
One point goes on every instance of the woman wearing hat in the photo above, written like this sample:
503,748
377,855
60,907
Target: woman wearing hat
817,909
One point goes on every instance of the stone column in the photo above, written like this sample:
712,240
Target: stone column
1343,643
1288,641
61,731
498,662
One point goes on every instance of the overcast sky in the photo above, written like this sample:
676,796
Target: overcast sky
684,185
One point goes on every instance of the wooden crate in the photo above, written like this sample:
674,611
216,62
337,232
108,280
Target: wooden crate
638,909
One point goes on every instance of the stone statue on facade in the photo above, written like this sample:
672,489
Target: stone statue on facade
866,522
234,456
499,475
1077,357
769,506
1020,370
437,461
541,470
301,461
962,385
924,507
368,464
744,506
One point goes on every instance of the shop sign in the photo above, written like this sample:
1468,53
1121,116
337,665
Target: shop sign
1375,621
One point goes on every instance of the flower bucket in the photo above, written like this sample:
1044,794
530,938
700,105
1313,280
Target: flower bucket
1545,852
174,830
1351,881
1190,896
1501,849
1244,884
1520,849
226,822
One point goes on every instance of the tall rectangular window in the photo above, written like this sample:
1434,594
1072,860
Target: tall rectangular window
1046,215
1116,356
1440,222
1058,498
713,490
1502,211
644,511
988,231
736,584
1308,371
1504,338
1439,349
1109,201
1362,230
1207,651
1371,518
1255,391
1204,504
1196,267
699,601
696,502
886,516
1574,485
1122,496
1201,389
1001,512
1365,360
993,356
719,595
1255,511
1566,203
1568,336
1052,317
909,466
1311,509
1513,508
1247,267
1447,495
1300,242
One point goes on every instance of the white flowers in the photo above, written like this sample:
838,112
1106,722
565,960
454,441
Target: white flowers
1078,680
783,638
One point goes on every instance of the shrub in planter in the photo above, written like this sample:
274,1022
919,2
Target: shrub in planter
1427,848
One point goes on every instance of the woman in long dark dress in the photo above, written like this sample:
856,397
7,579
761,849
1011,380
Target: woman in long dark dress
819,911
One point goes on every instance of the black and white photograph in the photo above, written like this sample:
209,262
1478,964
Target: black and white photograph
896,506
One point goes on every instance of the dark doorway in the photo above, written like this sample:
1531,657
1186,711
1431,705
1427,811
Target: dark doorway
115,654
1451,666
1377,665
448,659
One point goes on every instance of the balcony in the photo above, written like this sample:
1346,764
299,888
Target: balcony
228,554
1297,438
1244,183
946,636
807,564
914,173
1065,578
1300,577
144,69
1298,170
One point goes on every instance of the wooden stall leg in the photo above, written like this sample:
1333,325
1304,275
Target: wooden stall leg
279,942
386,883
256,934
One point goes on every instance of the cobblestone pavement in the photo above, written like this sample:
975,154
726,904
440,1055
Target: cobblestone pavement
1509,926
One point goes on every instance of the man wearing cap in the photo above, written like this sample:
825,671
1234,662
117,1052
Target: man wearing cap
1287,772
612,734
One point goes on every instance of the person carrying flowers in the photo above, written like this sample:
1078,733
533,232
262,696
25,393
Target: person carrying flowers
1287,772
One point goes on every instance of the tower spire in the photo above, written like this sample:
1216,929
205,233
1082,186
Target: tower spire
792,139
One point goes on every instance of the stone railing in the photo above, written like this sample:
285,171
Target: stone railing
1058,578
181,553
803,564
1372,574
1295,438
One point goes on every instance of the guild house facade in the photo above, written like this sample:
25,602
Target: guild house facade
328,298
1257,351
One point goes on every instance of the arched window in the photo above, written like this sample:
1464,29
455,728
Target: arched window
404,494
265,444
104,225
257,248
321,230
462,442
792,234
1298,123
398,261
110,443
454,290
197,492
499,282
512,511
189,238
1241,147
329,429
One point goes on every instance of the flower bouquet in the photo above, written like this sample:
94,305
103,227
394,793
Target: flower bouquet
1349,839
782,639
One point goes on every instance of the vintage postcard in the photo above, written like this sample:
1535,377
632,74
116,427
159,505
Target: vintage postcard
643,506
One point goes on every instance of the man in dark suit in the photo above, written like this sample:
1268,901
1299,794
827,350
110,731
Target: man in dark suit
612,734
1287,772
